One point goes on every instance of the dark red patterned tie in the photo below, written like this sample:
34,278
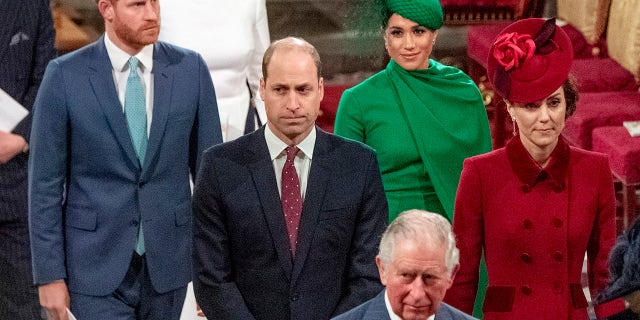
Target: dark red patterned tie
291,197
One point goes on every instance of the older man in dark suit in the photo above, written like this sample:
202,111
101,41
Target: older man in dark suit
118,126
26,46
287,217
418,260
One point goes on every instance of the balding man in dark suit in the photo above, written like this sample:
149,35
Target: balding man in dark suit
287,218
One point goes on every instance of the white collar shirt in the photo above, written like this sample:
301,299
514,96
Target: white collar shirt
302,161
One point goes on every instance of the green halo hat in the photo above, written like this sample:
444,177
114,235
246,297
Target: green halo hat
427,13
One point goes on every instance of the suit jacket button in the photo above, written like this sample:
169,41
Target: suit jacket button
557,223
526,290
295,297
140,184
525,257
527,224
557,287
134,223
558,256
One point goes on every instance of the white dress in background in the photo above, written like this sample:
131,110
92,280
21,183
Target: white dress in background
231,36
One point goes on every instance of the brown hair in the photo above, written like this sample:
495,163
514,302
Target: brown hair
291,43
571,95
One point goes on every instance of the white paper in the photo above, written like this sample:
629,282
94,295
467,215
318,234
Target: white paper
633,127
11,112
71,316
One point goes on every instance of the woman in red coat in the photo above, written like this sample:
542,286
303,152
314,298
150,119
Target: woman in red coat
538,205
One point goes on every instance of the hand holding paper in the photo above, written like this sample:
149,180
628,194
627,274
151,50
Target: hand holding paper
11,112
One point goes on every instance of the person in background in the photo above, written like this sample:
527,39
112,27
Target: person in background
27,39
536,206
423,118
287,217
620,300
118,127
417,262
232,37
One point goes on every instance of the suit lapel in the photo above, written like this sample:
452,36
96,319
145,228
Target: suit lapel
316,186
6,31
443,313
265,182
162,86
102,82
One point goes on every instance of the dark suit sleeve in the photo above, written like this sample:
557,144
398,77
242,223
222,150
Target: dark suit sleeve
363,281
44,51
213,281
206,131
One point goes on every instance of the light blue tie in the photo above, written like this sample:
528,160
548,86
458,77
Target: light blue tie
135,110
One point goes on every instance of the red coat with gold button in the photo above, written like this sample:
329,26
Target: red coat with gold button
535,226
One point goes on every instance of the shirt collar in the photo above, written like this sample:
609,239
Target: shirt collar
277,146
119,58
530,172
392,314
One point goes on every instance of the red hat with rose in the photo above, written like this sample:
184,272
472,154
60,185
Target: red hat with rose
529,60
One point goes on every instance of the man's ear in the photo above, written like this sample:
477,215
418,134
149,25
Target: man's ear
262,88
106,9
321,88
453,275
381,271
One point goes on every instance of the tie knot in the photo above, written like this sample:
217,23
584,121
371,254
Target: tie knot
292,151
133,64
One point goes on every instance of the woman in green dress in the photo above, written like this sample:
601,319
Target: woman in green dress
423,118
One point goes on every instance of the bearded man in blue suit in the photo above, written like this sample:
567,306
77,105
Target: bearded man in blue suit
118,127
418,260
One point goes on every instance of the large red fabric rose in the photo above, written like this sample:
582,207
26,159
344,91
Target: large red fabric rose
511,49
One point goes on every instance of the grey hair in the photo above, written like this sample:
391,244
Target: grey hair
424,227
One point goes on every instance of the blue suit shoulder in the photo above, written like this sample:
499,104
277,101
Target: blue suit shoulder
447,312
375,309
175,53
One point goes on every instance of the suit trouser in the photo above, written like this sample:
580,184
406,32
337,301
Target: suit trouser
134,299
18,294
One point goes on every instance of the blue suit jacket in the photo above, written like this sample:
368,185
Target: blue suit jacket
375,309
87,189
243,269
26,46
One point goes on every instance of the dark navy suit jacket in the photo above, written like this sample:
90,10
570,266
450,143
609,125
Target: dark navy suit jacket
375,309
87,188
26,46
243,268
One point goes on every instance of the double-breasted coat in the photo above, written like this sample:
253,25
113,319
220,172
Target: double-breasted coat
535,225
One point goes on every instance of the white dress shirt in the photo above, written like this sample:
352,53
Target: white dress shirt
302,161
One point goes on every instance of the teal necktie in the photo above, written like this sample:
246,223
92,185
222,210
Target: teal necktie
135,110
